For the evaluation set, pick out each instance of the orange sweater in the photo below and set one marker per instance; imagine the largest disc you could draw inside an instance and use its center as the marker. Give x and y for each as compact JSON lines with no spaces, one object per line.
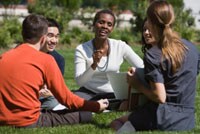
{"x":23,"y":71}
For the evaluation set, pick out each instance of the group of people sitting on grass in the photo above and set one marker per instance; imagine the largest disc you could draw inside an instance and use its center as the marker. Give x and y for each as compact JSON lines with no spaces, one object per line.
{"x":33,"y":92}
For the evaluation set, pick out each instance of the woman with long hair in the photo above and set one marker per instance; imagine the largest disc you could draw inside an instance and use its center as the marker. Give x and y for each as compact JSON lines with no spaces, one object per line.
{"x":171,"y":65}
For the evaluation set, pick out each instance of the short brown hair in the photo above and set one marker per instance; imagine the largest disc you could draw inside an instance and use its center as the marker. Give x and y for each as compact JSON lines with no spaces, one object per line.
{"x":33,"y":28}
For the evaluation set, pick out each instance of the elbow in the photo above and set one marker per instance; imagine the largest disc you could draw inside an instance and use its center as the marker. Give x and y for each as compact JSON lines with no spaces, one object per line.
{"x":161,"y":100}
{"x":79,"y":82}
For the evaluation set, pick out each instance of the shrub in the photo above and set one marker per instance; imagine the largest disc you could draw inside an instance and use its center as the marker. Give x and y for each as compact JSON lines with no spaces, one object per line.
{"x":125,"y":35}
{"x":10,"y":32}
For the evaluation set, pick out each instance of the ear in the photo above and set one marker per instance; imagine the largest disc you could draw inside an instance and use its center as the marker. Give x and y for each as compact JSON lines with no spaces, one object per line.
{"x":43,"y":40}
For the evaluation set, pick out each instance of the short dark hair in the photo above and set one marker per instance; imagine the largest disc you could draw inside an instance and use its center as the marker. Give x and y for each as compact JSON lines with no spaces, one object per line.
{"x":33,"y":28}
{"x":53,"y":23}
{"x":104,"y":11}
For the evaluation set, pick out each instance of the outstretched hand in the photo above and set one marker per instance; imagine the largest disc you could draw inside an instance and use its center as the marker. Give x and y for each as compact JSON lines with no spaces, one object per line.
{"x":104,"y":103}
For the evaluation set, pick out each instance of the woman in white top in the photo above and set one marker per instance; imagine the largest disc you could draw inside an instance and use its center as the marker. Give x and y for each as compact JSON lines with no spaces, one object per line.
{"x":96,"y":58}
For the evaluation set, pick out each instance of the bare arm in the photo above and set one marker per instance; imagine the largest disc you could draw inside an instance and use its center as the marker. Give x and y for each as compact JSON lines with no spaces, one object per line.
{"x":156,"y":93}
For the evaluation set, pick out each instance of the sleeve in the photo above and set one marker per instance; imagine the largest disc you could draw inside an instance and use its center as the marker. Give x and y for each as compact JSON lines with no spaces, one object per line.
{"x":152,"y":67}
{"x":132,"y":58}
{"x":198,"y":67}
{"x":56,"y":84}
{"x":83,"y":69}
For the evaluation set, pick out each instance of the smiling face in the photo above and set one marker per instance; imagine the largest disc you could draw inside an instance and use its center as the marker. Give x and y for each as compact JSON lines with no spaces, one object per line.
{"x":148,"y":33}
{"x":51,"y":39}
{"x":103,"y":26}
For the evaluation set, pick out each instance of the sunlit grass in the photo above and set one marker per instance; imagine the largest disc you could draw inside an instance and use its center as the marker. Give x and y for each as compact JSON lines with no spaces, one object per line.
{"x":100,"y":123}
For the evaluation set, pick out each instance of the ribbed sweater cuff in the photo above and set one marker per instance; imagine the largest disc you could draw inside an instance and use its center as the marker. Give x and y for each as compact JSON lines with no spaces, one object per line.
{"x":92,"y":106}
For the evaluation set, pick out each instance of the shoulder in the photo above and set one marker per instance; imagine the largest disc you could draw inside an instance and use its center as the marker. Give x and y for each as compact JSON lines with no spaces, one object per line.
{"x":154,"y":55}
{"x":114,"y":43}
{"x":117,"y":42}
{"x":189,"y":44}
{"x":56,"y":55}
{"x":85,"y":45}
{"x":84,"y":49}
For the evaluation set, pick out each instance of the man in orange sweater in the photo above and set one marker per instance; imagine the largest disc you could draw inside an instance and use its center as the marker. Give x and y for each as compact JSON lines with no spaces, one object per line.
{"x":24,"y":70}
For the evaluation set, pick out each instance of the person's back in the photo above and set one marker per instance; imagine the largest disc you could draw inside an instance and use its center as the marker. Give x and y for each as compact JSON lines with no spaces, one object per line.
{"x":20,"y":94}
{"x":184,"y":81}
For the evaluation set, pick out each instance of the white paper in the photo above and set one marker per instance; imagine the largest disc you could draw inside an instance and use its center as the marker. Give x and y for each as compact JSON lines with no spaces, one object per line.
{"x":119,"y":84}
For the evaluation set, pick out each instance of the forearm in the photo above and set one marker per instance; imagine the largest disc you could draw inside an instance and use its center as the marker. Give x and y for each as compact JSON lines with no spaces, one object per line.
{"x":133,"y":59}
{"x":155,"y":92}
{"x":82,"y":78}
{"x":92,"y":106}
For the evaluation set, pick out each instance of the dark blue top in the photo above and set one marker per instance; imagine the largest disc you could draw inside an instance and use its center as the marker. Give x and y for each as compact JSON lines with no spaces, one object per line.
{"x":180,"y":87}
{"x":50,"y":102}
{"x":178,"y":111}
{"x":59,"y":60}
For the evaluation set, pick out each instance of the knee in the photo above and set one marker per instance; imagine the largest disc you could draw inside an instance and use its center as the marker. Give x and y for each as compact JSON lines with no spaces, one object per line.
{"x":85,"y":117}
{"x":116,"y":124}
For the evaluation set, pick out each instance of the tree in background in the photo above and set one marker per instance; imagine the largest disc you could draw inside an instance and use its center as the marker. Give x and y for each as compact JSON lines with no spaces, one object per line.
{"x":65,"y":10}
{"x":10,"y":27}
{"x":53,"y":9}
{"x":184,"y":23}
{"x":9,"y":4}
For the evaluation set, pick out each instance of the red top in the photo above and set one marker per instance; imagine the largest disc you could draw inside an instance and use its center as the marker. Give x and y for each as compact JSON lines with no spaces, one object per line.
{"x":23,"y":71}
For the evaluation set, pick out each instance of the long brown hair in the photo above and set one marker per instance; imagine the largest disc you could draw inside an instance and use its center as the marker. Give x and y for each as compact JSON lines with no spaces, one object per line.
{"x":161,"y":15}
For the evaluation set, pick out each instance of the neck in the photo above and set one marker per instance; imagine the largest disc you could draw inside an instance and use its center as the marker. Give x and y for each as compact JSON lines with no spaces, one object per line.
{"x":101,"y":45}
{"x":35,"y":46}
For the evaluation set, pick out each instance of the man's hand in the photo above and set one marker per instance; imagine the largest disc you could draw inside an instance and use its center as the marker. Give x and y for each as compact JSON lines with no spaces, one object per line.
{"x":44,"y":92}
{"x":104,"y":103}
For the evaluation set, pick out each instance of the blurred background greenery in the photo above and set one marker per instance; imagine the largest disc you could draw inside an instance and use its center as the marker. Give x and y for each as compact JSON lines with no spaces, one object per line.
{"x":65,"y":10}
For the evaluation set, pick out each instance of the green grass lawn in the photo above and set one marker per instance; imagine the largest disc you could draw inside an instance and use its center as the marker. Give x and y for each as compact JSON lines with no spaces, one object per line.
{"x":100,"y":122}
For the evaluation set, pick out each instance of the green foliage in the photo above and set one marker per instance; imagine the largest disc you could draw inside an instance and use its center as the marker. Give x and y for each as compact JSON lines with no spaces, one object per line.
{"x":48,"y":8}
{"x":118,"y":4}
{"x":184,"y":22}
{"x":139,"y":10}
{"x":184,"y":25}
{"x":77,"y":36}
{"x":10,"y":32}
{"x":5,"y":38}
{"x":125,"y":35}
{"x":72,"y":5}
{"x":6,"y":3}
{"x":92,"y":3}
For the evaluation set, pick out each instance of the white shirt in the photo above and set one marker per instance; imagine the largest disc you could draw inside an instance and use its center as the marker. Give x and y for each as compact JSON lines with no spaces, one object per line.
{"x":96,"y":80}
